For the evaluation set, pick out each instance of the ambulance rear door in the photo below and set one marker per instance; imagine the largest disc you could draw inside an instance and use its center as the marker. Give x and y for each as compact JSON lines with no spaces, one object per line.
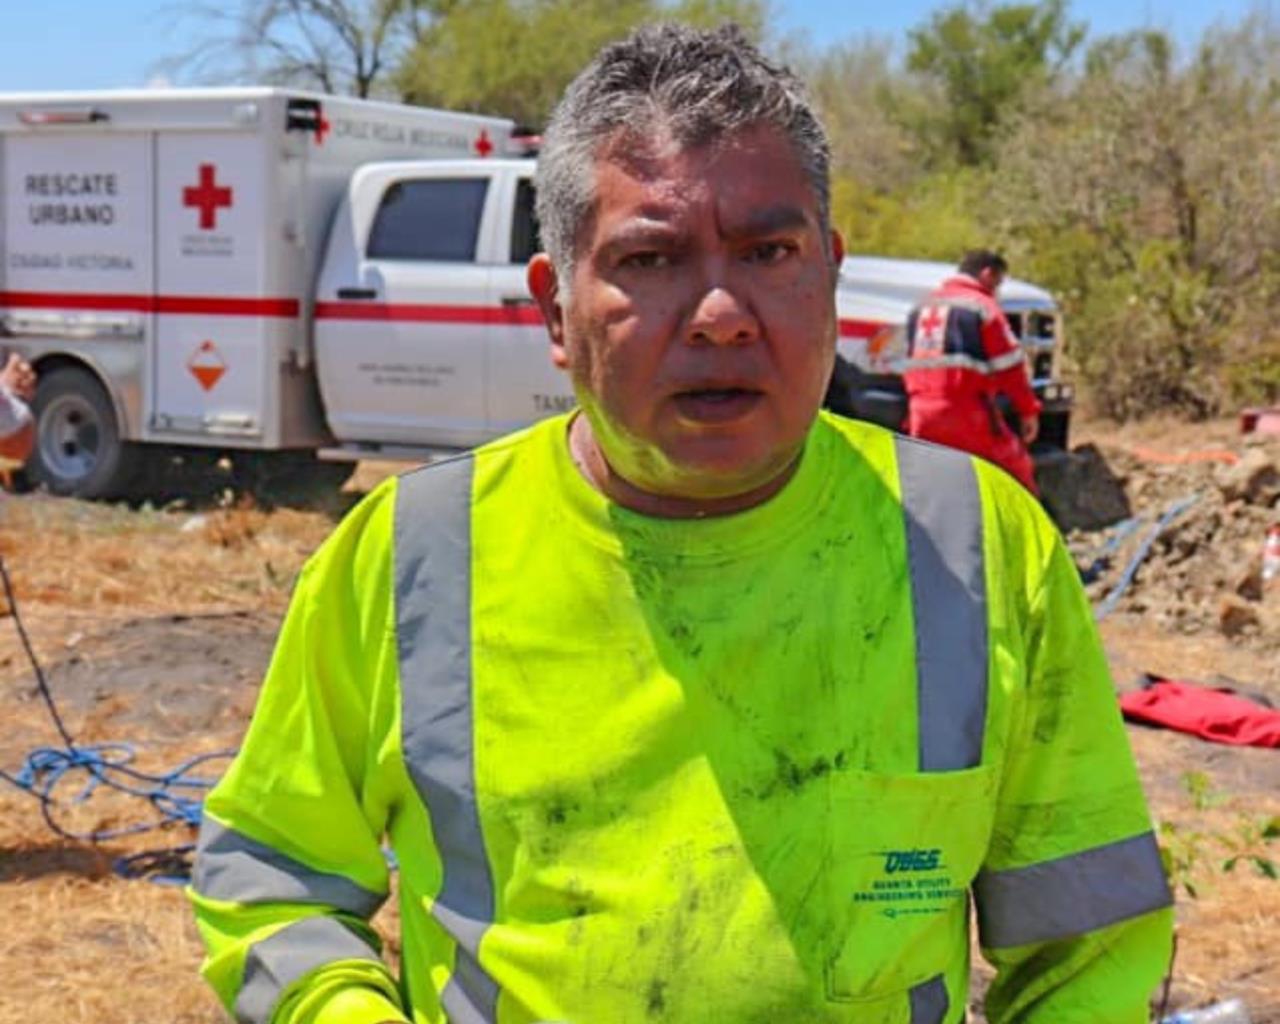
{"x":77,"y":240}
{"x":213,"y":350}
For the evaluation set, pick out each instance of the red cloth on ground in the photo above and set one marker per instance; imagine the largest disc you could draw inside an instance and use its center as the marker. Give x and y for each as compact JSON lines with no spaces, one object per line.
{"x":1210,"y":714}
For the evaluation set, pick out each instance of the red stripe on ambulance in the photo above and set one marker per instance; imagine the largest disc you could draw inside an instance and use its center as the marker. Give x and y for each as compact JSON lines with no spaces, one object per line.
{"x":203,"y":305}
{"x":860,"y":328}
{"x":415,"y":312}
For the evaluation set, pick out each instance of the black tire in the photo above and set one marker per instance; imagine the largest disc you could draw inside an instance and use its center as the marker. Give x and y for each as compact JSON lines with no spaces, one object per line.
{"x":78,"y":449}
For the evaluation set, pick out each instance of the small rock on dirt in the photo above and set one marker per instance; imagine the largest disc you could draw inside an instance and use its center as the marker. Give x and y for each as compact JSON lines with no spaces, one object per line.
{"x":1254,"y":479}
{"x":1236,"y":618}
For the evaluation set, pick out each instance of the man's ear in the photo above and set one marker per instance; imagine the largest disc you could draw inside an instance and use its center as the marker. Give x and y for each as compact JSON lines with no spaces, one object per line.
{"x":544,"y":286}
{"x":837,"y":249}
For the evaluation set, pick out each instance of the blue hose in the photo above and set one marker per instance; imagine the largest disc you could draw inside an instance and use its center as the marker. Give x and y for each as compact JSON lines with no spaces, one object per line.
{"x":1139,"y":556}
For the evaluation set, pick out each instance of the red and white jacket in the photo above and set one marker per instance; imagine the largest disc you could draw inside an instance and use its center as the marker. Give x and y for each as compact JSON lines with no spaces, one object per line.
{"x":960,"y":348}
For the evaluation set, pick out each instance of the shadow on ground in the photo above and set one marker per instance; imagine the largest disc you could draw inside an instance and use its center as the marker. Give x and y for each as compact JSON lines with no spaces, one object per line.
{"x":30,"y":862}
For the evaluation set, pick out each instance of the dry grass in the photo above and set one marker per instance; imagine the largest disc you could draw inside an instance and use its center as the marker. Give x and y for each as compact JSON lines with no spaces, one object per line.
{"x":95,"y":560}
{"x":83,"y":946}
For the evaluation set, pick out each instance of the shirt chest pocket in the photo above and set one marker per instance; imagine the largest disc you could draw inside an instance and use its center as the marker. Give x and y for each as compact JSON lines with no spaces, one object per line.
{"x":902,"y":851}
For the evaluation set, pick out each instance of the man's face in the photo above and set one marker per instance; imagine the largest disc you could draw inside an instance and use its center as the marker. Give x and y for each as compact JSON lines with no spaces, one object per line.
{"x":991,"y":279}
{"x":700,"y":322}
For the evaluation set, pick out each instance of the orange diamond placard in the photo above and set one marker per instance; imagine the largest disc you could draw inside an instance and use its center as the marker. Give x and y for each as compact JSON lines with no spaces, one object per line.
{"x":207,"y":365}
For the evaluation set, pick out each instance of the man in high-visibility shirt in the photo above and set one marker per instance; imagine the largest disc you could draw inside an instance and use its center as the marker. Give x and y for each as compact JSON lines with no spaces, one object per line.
{"x":962,"y":358}
{"x":694,"y":705}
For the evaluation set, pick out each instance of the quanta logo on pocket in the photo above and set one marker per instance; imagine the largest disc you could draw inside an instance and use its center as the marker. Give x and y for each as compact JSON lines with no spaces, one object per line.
{"x":898,"y":861}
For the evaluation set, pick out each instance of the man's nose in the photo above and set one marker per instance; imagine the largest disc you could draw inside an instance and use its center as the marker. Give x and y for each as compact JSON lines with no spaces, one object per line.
{"x":722,"y":317}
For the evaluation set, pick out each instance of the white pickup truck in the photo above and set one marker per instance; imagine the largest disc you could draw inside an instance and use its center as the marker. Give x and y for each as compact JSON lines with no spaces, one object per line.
{"x":272,"y":275}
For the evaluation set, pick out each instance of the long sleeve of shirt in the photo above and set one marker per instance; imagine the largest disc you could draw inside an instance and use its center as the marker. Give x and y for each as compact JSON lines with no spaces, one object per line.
{"x":14,"y":413}
{"x":1072,"y":901}
{"x":290,"y":867}
{"x":1008,"y":366}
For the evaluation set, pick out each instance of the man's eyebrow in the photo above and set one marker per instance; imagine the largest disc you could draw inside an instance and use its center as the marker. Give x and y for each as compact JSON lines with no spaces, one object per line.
{"x":641,"y":230}
{"x":770,"y":219}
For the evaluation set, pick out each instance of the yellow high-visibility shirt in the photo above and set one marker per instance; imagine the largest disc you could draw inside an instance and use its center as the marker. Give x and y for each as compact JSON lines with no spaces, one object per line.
{"x":732,"y":769}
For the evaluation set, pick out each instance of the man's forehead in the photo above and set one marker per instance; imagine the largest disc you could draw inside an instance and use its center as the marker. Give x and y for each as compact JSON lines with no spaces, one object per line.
{"x":651,"y":151}
{"x":658,"y":179}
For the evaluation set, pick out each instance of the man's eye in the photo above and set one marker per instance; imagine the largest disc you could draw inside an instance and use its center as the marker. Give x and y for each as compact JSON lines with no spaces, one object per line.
{"x":646,"y":260}
{"x":770,"y":252}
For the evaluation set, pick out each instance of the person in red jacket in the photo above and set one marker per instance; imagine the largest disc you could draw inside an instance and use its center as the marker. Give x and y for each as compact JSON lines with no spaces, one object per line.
{"x":961,"y":355}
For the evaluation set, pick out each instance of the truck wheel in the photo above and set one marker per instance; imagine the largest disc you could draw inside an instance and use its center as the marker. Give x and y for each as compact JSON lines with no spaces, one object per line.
{"x":78,"y":451}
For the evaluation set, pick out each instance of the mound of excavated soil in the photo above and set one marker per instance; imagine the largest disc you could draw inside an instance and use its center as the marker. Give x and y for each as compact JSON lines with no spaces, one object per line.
{"x":1202,"y":522}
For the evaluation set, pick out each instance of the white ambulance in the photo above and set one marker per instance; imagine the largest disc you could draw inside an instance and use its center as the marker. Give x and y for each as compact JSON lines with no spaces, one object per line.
{"x":164,"y":267}
{"x":275,"y":275}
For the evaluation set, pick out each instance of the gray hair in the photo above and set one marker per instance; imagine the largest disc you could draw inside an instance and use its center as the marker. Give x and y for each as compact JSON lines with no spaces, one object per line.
{"x":699,"y":86}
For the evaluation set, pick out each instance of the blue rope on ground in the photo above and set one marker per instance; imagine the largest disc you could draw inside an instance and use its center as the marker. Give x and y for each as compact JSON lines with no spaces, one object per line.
{"x":1139,"y":556}
{"x":175,"y":796}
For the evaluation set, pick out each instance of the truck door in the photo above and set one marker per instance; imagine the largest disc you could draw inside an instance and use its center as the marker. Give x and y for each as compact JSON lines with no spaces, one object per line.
{"x":401,"y":330}
{"x":524,"y":386}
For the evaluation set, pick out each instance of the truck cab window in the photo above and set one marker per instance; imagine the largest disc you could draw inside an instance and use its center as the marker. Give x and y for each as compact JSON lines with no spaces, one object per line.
{"x":525,"y":240}
{"x":429,"y":219}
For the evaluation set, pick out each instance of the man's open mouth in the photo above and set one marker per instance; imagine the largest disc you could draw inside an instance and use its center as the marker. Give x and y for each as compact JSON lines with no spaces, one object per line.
{"x":716,"y":405}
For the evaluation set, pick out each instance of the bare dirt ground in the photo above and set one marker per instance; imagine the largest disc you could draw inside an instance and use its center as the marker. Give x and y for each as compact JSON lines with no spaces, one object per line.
{"x":154,"y":627}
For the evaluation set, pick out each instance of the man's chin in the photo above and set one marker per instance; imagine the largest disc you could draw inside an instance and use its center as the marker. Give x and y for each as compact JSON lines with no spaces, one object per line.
{"x":682,"y":462}
{"x":715,"y":471}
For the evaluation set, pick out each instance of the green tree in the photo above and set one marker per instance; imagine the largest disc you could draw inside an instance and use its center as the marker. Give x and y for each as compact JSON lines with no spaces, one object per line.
{"x":978,"y":64}
{"x":852,"y":84}
{"x":514,"y":57}
{"x":1145,"y":195}
{"x":936,"y":217}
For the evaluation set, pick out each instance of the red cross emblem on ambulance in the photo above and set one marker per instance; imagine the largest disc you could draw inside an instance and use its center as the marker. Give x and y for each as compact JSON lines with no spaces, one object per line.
{"x":207,"y":196}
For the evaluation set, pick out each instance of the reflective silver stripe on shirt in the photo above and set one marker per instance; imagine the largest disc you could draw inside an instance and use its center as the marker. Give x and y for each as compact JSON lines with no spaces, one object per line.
{"x":960,"y":361}
{"x":1016,"y":357}
{"x":929,"y":1001}
{"x":433,"y":628}
{"x":1071,"y":895}
{"x":231,"y":866}
{"x":283,"y":958}
{"x":943,"y":515}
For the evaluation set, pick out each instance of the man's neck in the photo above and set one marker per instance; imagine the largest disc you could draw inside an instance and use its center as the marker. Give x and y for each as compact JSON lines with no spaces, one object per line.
{"x":971,"y":281}
{"x":590,"y":461}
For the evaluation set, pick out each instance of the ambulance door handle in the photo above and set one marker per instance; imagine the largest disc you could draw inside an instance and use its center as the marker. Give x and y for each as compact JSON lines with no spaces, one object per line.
{"x":516,"y":301}
{"x":357,"y":293}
